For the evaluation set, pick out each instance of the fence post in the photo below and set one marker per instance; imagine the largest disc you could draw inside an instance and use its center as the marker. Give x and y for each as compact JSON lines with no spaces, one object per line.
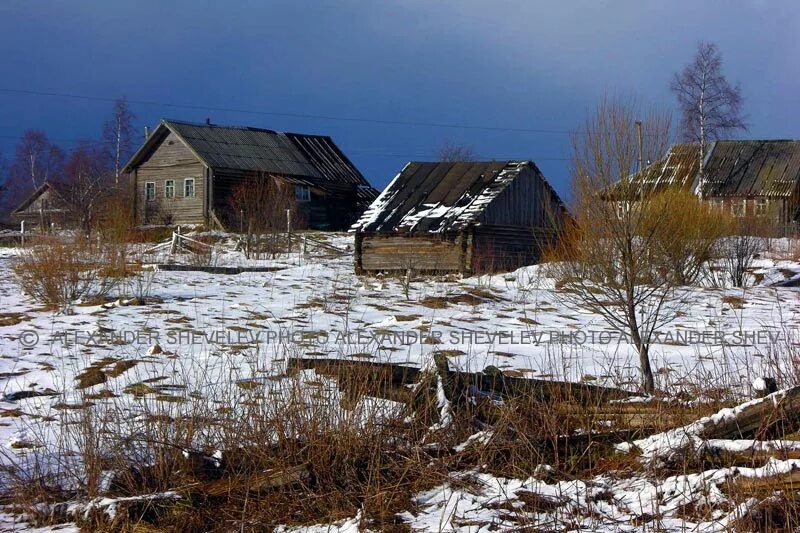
{"x":289,"y":230}
{"x":22,"y":232}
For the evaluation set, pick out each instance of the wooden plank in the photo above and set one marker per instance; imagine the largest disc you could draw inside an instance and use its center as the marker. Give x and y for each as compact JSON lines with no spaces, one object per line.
{"x":381,"y":376}
{"x":260,"y":481}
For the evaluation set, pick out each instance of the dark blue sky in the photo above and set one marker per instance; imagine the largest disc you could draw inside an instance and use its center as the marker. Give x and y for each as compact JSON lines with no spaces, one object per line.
{"x":498,"y":64}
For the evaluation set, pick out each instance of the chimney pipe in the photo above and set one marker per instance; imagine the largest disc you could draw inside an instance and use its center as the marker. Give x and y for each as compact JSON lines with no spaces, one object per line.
{"x":146,"y":133}
{"x":208,"y":121}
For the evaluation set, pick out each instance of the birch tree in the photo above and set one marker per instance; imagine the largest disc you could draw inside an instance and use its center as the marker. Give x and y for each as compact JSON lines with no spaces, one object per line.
{"x":119,"y":136}
{"x":710,"y":106}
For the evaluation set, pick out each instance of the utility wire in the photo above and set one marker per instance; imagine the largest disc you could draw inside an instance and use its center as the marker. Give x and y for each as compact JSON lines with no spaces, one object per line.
{"x":286,"y":114}
{"x":361,"y":151}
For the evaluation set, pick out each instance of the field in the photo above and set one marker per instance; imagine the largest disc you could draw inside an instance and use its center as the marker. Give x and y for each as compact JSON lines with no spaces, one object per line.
{"x":110,"y":405}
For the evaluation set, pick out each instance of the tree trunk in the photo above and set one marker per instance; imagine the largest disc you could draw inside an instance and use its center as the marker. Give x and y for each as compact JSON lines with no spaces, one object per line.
{"x":648,"y":382}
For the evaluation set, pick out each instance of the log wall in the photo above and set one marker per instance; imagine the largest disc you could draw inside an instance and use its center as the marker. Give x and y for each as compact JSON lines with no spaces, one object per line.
{"x":418,"y":252}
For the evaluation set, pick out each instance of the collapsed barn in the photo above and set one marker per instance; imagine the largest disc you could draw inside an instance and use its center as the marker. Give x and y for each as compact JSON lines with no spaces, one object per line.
{"x":465,"y":217}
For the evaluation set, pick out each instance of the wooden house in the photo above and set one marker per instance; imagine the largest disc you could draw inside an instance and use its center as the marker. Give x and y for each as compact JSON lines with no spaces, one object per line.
{"x":46,"y":208}
{"x":465,"y":217}
{"x":758,"y":178}
{"x":185,"y":173}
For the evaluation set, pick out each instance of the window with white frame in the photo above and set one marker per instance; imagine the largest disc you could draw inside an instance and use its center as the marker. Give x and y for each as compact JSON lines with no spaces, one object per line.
{"x":739,"y":208}
{"x":188,"y":187}
{"x":762,"y":205}
{"x":150,"y":191}
{"x":169,"y":189}
{"x":302,"y":193}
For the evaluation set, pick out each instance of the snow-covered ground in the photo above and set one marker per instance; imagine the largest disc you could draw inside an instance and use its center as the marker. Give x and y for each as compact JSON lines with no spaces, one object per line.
{"x":211,"y":328}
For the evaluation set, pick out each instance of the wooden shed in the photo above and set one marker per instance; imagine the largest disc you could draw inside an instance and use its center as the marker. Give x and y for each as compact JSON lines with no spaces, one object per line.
{"x":185,"y":173}
{"x":47,"y":207}
{"x":465,"y":217}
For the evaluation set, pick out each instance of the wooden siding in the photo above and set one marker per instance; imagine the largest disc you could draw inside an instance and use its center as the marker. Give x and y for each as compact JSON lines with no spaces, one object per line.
{"x":506,"y":248}
{"x":528,"y":202}
{"x":393,"y":252}
{"x":171,"y":160}
{"x":48,"y":208}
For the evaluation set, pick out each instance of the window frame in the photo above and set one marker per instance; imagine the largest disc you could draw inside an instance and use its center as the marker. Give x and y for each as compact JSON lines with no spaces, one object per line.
{"x":306,"y":193}
{"x":169,"y":187}
{"x":186,"y":182}
{"x":739,"y":208}
{"x":761,"y":206}
{"x":147,"y":196}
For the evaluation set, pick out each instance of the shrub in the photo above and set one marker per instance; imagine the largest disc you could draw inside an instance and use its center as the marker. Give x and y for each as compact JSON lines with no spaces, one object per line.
{"x":685,"y":230}
{"x":58,"y":273}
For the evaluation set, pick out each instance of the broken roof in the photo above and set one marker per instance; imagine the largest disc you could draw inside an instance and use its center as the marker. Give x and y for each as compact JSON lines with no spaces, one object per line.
{"x":436,"y":197}
{"x":732,"y":168}
{"x":257,"y":150}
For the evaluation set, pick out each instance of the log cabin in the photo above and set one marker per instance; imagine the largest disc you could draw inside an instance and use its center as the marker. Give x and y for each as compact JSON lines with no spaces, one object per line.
{"x":185,"y":173}
{"x":46,"y":208}
{"x":748,"y":178}
{"x":463,"y":217}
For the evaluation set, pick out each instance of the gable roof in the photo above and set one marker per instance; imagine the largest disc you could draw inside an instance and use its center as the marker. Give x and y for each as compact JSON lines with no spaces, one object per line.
{"x":257,"y":150}
{"x":58,"y":187}
{"x":439,"y":196}
{"x":732,"y":168}
{"x":752,"y":168}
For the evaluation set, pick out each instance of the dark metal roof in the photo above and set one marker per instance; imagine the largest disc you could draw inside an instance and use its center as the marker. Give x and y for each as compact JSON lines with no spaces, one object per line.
{"x":732,"y":168}
{"x":436,"y":197}
{"x":259,"y":150}
{"x":753,"y":168}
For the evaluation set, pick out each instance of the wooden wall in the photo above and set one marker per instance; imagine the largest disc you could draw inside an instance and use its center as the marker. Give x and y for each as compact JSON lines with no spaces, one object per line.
{"x":418,"y":252}
{"x":171,"y":160}
{"x":528,"y":202}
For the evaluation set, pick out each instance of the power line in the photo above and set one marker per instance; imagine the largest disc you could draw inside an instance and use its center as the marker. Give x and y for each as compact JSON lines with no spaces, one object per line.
{"x":361,"y":151}
{"x":286,"y":114}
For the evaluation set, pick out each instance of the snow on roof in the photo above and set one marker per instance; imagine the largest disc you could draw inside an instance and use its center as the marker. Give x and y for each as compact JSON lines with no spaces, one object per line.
{"x":439,"y":196}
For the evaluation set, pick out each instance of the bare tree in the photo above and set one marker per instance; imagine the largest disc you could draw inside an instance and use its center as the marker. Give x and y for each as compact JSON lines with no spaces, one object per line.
{"x":119,"y":136}
{"x":740,"y":249}
{"x":451,"y":152}
{"x":710,"y":106}
{"x":258,"y":207}
{"x":606,"y":258}
{"x":85,"y":187}
{"x":36,"y":160}
{"x":3,"y":185}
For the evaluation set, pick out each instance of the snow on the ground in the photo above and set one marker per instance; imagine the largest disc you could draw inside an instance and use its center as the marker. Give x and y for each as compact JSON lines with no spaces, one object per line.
{"x":212,"y":328}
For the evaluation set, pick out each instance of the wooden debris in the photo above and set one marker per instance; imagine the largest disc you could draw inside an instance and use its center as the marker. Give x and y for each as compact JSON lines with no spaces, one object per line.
{"x":270,"y":479}
{"x":747,"y":485}
{"x":384,"y":379}
{"x":778,"y":411}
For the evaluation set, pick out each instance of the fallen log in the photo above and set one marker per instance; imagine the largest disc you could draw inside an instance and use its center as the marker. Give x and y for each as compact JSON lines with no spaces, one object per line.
{"x":786,"y":478}
{"x":388,"y":380}
{"x":776,"y":413}
{"x":259,"y":481}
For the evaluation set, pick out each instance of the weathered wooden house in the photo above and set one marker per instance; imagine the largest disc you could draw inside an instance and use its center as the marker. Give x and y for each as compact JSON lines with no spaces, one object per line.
{"x":46,"y":208}
{"x":465,"y":217}
{"x":185,"y":173}
{"x":749,"y":177}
